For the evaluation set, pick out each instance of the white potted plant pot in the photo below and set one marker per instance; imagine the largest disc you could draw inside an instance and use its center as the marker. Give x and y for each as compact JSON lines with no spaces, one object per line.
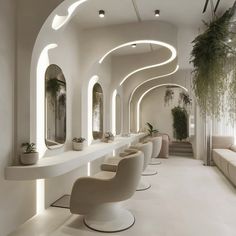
{"x":29,"y":158}
{"x":78,"y":146}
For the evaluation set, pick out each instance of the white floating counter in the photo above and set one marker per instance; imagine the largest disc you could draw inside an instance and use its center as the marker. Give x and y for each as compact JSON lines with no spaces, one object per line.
{"x":65,"y":162}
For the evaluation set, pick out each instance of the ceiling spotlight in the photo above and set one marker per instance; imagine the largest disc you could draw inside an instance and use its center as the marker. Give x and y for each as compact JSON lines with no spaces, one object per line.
{"x":101,"y":13}
{"x":134,"y":45}
{"x":157,"y":13}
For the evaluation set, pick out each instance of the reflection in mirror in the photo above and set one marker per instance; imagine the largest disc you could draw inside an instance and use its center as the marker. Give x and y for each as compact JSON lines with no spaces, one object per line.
{"x":97,"y":111}
{"x":55,"y":107}
{"x":118,"y":114}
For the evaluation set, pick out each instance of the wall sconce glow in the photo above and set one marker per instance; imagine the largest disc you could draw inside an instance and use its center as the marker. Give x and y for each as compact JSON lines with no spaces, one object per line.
{"x":166,"y":45}
{"x":40,"y":195}
{"x":89,"y":169}
{"x":144,"y":94}
{"x":113,"y":107}
{"x":138,"y":86}
{"x":59,"y":21}
{"x":91,"y":84}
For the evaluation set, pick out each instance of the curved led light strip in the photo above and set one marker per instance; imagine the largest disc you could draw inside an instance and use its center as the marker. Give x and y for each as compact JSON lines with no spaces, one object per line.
{"x":173,"y":56}
{"x":59,"y":21}
{"x":154,"y":78}
{"x":113,"y":125}
{"x":43,"y":63}
{"x":145,"y":93}
{"x":163,"y":44}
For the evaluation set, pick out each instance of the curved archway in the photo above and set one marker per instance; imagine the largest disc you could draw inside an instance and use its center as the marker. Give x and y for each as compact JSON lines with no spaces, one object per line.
{"x":138,"y":86}
{"x":145,"y":93}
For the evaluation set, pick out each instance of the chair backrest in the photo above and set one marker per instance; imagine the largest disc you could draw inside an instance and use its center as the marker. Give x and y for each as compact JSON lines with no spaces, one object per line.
{"x":222,"y":142}
{"x":128,"y":175}
{"x":156,"y":148}
{"x":146,"y":148}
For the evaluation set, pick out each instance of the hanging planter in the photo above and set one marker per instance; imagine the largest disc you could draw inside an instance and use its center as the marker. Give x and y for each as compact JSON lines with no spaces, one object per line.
{"x":214,"y":67}
{"x":185,"y":99}
{"x":169,"y":95}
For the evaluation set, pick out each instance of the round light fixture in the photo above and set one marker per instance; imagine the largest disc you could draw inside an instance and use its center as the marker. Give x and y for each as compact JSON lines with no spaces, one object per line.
{"x":157,"y":13}
{"x":101,"y":13}
{"x":134,"y":45}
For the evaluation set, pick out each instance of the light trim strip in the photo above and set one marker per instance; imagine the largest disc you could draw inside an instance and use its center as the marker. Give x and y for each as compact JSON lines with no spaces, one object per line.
{"x":59,"y":21}
{"x":145,"y":93}
{"x":138,"y":86}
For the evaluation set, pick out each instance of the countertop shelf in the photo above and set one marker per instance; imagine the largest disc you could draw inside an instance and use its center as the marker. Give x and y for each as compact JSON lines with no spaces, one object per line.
{"x":65,"y":162}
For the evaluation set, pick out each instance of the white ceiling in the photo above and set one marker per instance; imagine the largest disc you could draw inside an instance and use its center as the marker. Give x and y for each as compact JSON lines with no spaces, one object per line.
{"x":140,"y":48}
{"x":178,"y":12}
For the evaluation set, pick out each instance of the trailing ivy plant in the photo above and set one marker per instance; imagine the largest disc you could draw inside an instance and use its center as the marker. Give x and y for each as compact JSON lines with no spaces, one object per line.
{"x":185,"y":99}
{"x":180,"y":123}
{"x":169,"y":95}
{"x":214,"y":68}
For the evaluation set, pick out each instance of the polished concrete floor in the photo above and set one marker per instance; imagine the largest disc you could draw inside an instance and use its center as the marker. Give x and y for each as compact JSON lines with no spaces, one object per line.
{"x":186,"y":199}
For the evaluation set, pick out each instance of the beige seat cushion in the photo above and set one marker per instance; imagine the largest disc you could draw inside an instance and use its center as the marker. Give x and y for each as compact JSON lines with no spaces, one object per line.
{"x":222,"y":157}
{"x":232,"y":172}
{"x":233,"y":148}
{"x":104,"y":175}
{"x":111,"y":164}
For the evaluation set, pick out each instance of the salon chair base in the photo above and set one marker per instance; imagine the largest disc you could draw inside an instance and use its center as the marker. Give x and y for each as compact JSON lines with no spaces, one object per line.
{"x":110,"y":218}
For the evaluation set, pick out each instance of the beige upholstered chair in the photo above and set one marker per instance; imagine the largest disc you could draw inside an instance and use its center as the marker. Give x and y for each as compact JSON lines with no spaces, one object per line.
{"x":146,"y":148}
{"x":157,"y":142}
{"x":97,"y":197}
{"x":164,"y":153}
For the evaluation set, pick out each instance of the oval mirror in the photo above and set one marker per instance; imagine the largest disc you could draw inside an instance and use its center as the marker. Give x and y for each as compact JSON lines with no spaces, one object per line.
{"x":97,"y":111}
{"x":55,"y":107}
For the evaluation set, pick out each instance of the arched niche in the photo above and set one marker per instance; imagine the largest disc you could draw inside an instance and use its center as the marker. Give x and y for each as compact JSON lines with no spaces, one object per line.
{"x":97,"y":119}
{"x":118,"y":114}
{"x":55,"y":107}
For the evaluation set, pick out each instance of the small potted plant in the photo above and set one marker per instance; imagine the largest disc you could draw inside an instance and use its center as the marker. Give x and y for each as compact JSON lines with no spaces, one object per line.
{"x":151,"y":130}
{"x":78,"y":143}
{"x":29,"y":156}
{"x":108,"y":137}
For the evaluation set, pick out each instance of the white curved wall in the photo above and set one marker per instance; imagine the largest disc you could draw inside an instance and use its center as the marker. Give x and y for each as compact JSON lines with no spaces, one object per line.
{"x":154,"y":111}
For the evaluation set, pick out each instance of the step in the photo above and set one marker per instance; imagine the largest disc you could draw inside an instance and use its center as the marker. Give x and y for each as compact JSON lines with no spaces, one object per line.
{"x":180,"y":149}
{"x":183,"y":154}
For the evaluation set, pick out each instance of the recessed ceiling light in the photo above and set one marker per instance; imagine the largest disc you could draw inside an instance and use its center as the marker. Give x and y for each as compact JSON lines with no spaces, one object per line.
{"x":157,"y":13}
{"x":101,"y":13}
{"x":134,"y":45}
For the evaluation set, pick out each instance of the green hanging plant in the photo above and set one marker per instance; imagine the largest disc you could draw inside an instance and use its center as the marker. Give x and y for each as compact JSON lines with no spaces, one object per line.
{"x":180,"y":123}
{"x":185,"y":99}
{"x":169,"y":95}
{"x":212,"y":60}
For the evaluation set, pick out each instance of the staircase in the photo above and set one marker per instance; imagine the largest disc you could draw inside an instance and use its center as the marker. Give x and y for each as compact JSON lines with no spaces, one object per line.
{"x":183,"y":149}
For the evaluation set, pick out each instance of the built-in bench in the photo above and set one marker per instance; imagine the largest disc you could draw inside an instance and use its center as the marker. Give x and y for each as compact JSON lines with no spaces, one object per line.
{"x":224,"y":156}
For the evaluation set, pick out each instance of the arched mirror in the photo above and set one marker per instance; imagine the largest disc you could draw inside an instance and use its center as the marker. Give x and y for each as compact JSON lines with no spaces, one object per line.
{"x":97,"y":111}
{"x":55,"y":107}
{"x":118,"y":114}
